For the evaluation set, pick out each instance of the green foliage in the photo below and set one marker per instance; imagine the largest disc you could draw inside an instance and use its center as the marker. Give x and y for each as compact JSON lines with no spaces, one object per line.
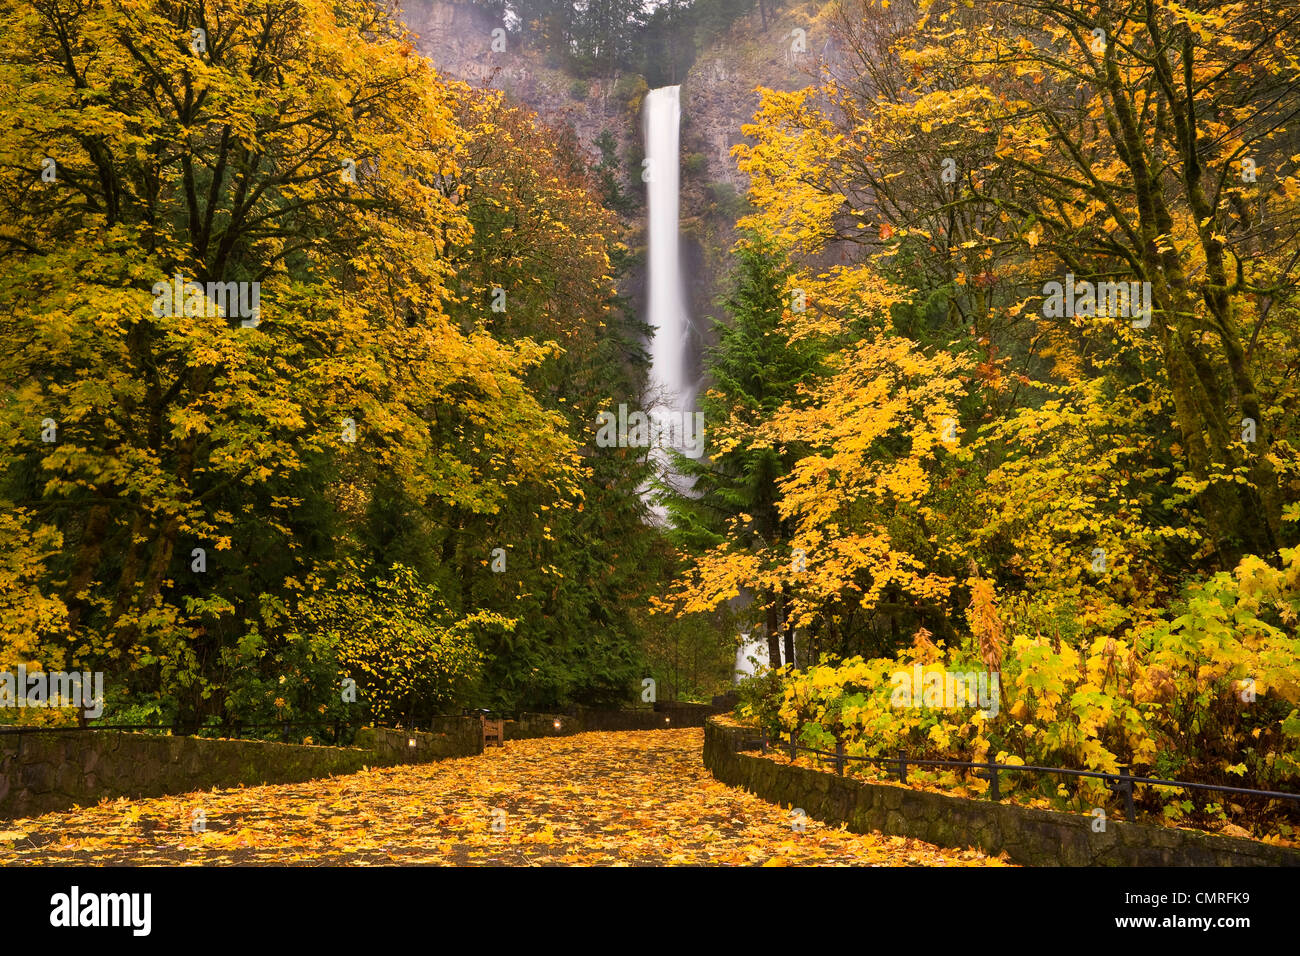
{"x":575,"y":556}
{"x":760,"y":700}
{"x":609,"y":173}
{"x":754,"y":369}
{"x":410,"y":656}
{"x":690,"y":658}
{"x":629,"y":90}
{"x":1208,"y":693}
{"x":727,"y":202}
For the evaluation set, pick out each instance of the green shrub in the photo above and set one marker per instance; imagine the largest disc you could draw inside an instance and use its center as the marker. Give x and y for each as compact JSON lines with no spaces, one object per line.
{"x":727,"y":201}
{"x":410,"y":656}
{"x":630,"y":89}
{"x":761,"y":697}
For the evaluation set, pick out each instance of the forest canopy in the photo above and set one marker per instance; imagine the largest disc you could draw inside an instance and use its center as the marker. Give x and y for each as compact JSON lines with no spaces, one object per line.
{"x":376,"y":467}
{"x":1040,"y":259}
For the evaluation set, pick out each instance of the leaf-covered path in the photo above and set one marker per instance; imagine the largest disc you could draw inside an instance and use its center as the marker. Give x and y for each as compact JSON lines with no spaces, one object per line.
{"x":601,"y":798}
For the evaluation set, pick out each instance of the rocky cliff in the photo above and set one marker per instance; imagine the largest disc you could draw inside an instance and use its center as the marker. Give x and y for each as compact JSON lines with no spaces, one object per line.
{"x":461,"y":42}
{"x":719,"y":96}
{"x":784,"y":51}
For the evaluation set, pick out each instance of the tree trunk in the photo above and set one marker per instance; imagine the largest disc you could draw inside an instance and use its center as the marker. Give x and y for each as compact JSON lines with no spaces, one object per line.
{"x":88,"y":555}
{"x":773,"y":635}
{"x":1240,"y":519}
{"x":788,"y":630}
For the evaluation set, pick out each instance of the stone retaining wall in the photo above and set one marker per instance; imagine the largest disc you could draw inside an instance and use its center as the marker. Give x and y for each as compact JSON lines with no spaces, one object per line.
{"x":665,"y":716}
{"x":53,"y":770}
{"x":1029,"y":836}
{"x":48,"y":771}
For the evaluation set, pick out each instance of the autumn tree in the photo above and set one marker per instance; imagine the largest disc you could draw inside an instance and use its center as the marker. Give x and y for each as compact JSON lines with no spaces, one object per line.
{"x":1003,"y":145}
{"x":753,"y":371}
{"x":539,"y":273}
{"x":857,"y":454}
{"x":196,"y":464}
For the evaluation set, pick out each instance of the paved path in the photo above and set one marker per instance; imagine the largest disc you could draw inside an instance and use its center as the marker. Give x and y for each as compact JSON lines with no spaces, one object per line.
{"x":629,"y":798}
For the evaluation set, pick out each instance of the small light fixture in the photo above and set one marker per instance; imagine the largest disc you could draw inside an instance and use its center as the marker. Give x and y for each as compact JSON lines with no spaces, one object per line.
{"x":410,"y":741}
{"x":557,"y":725}
{"x":668,"y":720}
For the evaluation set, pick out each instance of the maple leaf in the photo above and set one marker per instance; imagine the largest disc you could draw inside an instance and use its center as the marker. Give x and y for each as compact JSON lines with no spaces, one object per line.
{"x":561,"y":798}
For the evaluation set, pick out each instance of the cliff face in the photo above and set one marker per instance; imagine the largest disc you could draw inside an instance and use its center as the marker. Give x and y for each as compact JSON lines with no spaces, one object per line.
{"x":718,"y":94}
{"x":784,"y":51}
{"x":456,"y":36}
{"x":459,"y":39}
{"x":719,"y":97}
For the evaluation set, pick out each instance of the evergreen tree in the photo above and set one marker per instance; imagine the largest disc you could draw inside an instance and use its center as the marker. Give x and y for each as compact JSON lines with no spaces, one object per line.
{"x":754,"y":370}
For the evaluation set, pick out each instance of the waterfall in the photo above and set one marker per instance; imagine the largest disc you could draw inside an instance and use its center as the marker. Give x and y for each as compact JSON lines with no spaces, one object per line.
{"x":672,"y":386}
{"x":673,"y":382}
{"x":750,"y":650}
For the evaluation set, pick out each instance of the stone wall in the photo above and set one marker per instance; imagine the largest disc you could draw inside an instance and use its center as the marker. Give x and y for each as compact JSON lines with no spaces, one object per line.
{"x":53,"y":770}
{"x":446,"y":737}
{"x":1029,"y":836}
{"x":665,"y":716}
{"x":43,"y":772}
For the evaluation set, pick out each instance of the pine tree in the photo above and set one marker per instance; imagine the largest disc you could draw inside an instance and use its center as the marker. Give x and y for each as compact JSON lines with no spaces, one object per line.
{"x":754,"y":370}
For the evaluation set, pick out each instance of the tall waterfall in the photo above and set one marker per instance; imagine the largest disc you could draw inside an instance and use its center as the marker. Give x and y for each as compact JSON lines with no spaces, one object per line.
{"x":673,"y":385}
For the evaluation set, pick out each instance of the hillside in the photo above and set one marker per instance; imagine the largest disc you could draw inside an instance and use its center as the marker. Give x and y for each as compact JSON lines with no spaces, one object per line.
{"x":718,"y":97}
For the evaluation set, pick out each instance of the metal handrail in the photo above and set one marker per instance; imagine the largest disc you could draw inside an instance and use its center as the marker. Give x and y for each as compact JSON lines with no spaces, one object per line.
{"x":1121,"y":783}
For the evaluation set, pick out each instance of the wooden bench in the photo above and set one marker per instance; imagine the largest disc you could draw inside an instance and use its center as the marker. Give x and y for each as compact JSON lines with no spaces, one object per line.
{"x":493,"y":732}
